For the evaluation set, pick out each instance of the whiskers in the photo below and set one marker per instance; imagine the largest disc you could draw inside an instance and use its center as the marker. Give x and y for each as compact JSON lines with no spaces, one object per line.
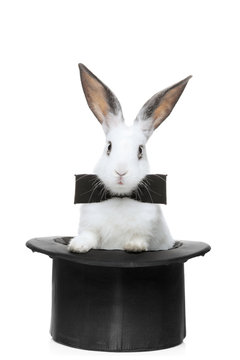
{"x":145,"y":183}
{"x":138,"y":192}
{"x":103,"y":194}
{"x":161,"y":177}
{"x":80,"y":177}
{"x":151,"y":189}
{"x":96,"y":184}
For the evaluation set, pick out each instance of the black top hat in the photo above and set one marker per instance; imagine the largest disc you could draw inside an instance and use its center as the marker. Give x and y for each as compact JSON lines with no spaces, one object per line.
{"x":114,"y":300}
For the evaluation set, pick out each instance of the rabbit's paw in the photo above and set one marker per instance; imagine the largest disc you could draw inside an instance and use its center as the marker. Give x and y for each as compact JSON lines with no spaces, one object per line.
{"x":136,"y":244}
{"x":83,"y":242}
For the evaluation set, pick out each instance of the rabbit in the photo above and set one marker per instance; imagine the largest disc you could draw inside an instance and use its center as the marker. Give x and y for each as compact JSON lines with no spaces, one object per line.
{"x":120,"y":222}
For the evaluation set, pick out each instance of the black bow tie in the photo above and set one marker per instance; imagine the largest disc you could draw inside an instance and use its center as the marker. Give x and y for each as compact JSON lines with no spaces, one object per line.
{"x":90,"y":189}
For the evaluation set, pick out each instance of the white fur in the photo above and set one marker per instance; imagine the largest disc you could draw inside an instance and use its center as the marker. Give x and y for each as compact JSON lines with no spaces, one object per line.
{"x":125,"y":142}
{"x":122,"y":223}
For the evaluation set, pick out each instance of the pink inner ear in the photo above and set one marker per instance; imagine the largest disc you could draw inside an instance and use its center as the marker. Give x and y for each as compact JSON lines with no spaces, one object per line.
{"x":160,"y":114}
{"x":95,"y":95}
{"x":166,"y":104}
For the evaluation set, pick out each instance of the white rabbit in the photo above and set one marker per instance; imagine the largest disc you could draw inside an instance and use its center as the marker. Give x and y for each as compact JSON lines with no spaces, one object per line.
{"x":123,"y":223}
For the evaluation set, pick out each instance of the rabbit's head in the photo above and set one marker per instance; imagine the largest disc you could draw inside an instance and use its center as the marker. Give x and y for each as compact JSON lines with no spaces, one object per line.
{"x":124,"y":164}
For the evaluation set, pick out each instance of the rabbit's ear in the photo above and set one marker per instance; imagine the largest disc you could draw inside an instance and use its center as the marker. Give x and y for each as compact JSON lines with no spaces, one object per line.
{"x":100,"y":99}
{"x":157,"y":109}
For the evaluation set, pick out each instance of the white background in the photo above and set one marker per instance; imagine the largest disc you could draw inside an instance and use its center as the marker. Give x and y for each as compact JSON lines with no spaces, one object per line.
{"x":48,"y":134}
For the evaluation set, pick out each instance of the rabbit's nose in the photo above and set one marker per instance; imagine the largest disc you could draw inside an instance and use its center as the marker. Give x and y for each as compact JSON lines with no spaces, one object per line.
{"x":121,"y":173}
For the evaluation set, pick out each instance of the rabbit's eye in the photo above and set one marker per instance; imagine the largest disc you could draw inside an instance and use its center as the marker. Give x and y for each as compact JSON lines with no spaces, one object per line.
{"x":109,"y":148}
{"x":140,"y":152}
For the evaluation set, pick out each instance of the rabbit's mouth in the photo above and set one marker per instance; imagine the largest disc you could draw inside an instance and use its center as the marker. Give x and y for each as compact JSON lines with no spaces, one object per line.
{"x":123,"y":184}
{"x":122,"y":187}
{"x":120,"y":181}
{"x":121,"y":177}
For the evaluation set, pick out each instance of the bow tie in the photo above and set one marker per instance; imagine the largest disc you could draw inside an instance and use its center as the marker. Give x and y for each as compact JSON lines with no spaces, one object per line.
{"x":90,"y":189}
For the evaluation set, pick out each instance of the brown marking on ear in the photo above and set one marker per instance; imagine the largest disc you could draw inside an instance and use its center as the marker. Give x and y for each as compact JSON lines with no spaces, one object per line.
{"x":167,"y":100}
{"x":95,"y":95}
{"x":99,"y":97}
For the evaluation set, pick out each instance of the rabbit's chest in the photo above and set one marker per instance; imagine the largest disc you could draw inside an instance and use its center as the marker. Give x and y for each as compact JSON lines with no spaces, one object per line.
{"x":116,"y":221}
{"x":119,"y":216}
